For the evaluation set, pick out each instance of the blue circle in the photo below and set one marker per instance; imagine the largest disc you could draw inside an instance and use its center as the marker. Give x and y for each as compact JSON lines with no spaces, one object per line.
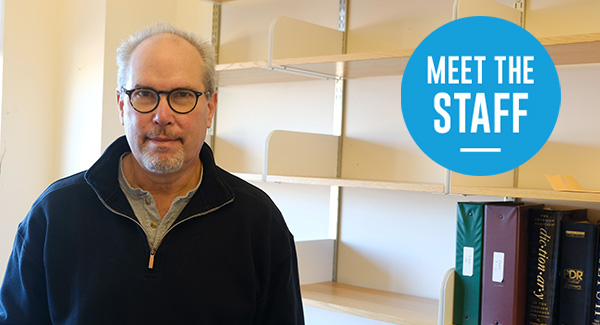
{"x":480,"y":96}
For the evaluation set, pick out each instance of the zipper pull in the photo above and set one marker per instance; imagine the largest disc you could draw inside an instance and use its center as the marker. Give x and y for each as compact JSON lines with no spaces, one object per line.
{"x":151,"y":261}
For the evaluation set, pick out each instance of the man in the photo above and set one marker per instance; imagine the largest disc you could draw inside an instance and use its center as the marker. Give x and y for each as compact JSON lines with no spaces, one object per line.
{"x":154,"y":232}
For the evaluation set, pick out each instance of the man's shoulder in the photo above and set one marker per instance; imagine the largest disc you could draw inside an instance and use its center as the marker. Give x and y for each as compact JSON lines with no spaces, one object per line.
{"x":239,"y":185}
{"x":73,"y":183}
{"x":246,"y":192}
{"x":256,"y":203}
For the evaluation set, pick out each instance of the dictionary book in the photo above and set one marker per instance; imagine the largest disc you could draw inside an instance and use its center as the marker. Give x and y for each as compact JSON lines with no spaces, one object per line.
{"x":504,"y":278}
{"x":543,"y":263}
{"x":578,"y":251}
{"x":469,"y":249}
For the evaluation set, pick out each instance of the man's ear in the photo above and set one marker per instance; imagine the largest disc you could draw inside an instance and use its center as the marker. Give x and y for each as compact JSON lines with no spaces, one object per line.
{"x":212,"y":106}
{"x":120,"y":98}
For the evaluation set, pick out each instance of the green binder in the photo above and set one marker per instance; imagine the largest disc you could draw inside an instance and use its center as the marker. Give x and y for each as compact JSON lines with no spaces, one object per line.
{"x":469,"y":250}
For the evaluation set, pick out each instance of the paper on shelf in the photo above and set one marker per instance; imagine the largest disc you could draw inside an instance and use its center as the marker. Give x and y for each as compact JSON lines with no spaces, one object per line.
{"x":566,"y":183}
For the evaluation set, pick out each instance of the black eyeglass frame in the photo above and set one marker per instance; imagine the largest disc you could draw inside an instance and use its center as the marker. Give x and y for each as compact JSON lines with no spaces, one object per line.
{"x":168,"y":93}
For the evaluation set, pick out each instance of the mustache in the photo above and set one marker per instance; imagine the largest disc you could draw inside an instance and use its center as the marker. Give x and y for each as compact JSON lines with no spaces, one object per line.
{"x":164,"y":133}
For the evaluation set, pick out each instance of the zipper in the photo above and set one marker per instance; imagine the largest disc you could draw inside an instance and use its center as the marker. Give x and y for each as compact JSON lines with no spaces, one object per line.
{"x":154,"y":249}
{"x":151,"y":261}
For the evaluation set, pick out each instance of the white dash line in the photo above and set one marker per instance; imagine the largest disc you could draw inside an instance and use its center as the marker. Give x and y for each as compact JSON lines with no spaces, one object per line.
{"x":480,"y":150}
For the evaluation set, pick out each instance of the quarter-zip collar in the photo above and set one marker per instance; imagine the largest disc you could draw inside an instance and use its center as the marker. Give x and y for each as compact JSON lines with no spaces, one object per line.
{"x":103,"y":178}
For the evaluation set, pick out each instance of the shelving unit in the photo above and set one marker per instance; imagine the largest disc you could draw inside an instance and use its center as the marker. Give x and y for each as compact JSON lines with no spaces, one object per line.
{"x":376,"y":304}
{"x":574,"y":49}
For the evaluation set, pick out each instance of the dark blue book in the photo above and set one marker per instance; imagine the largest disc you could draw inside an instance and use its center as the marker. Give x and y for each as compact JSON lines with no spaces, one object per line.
{"x":595,"y":313}
{"x":578,"y":251}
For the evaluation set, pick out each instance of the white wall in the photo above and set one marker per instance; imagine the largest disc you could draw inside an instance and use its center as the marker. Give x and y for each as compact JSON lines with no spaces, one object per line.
{"x":318,"y":316}
{"x":30,"y":122}
{"x":79,"y":107}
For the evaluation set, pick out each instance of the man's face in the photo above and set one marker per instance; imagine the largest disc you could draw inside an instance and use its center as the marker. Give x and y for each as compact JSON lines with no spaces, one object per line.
{"x":164,"y":141}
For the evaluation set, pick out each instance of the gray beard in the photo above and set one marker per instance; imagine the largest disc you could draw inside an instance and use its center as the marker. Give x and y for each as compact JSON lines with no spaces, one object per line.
{"x":162,"y":165}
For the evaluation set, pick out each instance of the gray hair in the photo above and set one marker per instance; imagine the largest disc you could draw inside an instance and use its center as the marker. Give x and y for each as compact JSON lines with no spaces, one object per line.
{"x":206,"y":50}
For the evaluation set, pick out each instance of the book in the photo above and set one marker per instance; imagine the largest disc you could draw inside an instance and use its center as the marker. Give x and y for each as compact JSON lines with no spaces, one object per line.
{"x":504,"y":279}
{"x":543,"y":258}
{"x":578,"y":251}
{"x":469,"y":248}
{"x":596,"y":285}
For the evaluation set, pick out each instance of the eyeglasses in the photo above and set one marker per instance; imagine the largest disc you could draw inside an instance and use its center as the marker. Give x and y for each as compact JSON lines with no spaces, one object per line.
{"x":181,"y":100}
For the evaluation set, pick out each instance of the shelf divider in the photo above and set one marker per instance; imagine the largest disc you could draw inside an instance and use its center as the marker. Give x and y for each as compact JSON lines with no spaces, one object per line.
{"x":291,"y":153}
{"x":291,"y":38}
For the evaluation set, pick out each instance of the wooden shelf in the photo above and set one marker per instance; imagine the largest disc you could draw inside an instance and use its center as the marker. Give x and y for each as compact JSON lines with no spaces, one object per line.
{"x":396,"y":186}
{"x":349,"y":66}
{"x":431,"y":188}
{"x":526,"y":193}
{"x":374,"y":304}
{"x":574,"y":49}
{"x":355,"y":65}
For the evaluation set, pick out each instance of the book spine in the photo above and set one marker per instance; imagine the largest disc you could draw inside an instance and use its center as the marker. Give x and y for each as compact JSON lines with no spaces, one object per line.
{"x":577,"y":263}
{"x":543,"y":263}
{"x":542,"y":267}
{"x":596,"y":285}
